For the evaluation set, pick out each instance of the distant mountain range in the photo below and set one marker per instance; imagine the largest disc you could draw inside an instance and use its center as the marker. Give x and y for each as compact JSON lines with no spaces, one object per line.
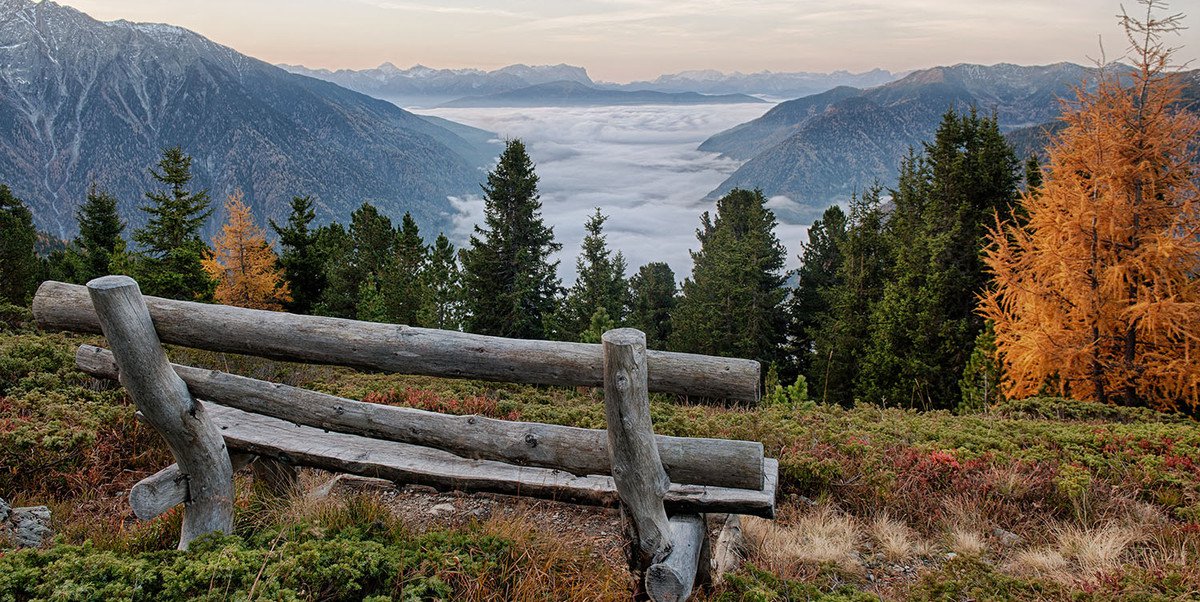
{"x":425,"y":87}
{"x":575,"y":94}
{"x":83,"y":101}
{"x":819,"y":149}
{"x":763,"y":83}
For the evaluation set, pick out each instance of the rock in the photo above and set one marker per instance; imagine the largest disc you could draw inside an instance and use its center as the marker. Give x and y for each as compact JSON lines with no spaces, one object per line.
{"x":30,"y":526}
{"x":5,"y":510}
{"x":951,"y":556}
{"x":440,"y":509}
{"x":1007,"y":538}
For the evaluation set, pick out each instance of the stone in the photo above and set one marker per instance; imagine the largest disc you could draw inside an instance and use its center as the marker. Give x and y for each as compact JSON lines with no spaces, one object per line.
{"x":440,"y":509}
{"x":1007,"y":538}
{"x":5,"y":510}
{"x":31,"y":526}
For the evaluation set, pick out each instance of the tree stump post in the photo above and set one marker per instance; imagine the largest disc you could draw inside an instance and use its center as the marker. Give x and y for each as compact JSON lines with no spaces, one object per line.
{"x":637,"y":468}
{"x":163,"y":398}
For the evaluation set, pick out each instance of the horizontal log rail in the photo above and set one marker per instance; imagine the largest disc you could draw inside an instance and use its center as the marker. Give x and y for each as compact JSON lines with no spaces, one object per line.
{"x":687,"y":460}
{"x":400,"y":349}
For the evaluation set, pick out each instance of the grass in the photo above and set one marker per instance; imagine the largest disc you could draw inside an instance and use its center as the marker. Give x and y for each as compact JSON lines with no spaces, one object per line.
{"x":1104,"y":501}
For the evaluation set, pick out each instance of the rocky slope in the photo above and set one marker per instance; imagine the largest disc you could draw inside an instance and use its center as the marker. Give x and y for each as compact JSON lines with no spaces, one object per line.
{"x":83,"y":101}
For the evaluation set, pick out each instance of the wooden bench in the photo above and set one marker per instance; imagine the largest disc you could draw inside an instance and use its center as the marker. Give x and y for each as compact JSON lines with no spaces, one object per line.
{"x":664,"y":485}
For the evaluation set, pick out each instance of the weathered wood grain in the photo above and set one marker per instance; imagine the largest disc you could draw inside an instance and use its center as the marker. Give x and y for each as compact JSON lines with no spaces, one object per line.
{"x":403,"y":463}
{"x":728,"y":554}
{"x":636,"y":466}
{"x":165,"y":489}
{"x":672,"y":579}
{"x":164,"y":400}
{"x":692,"y":461}
{"x":397,"y":348}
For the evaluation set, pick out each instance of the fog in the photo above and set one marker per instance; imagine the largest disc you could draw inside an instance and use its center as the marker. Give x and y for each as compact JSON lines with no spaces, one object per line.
{"x":639,"y":165}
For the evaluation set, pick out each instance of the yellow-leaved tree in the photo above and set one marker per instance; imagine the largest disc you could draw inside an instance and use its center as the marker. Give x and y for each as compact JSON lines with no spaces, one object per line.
{"x":242,"y":262}
{"x":1097,"y":286}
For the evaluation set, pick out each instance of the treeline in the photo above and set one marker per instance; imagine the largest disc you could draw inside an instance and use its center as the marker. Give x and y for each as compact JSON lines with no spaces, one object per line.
{"x":976,"y":276}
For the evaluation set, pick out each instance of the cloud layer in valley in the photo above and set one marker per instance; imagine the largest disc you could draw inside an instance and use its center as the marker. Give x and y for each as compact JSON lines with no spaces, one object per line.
{"x":639,"y":165}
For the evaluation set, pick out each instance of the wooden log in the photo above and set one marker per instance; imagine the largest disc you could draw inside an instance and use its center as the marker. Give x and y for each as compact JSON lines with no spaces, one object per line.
{"x":636,"y":466}
{"x":164,"y":400}
{"x":403,"y":463}
{"x":728,"y":554}
{"x":672,"y":579}
{"x":167,"y":488}
{"x":692,"y":461}
{"x":401,"y":349}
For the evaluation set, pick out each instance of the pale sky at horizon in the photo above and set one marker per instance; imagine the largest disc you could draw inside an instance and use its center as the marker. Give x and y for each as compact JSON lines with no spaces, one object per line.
{"x":624,"y":40}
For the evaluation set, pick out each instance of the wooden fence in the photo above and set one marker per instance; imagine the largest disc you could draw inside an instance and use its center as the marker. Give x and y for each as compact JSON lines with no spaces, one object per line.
{"x":664,"y":485}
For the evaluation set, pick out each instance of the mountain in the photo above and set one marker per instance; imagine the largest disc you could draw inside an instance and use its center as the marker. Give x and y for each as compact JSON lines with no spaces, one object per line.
{"x":763,"y":83}
{"x":424,"y":86}
{"x":83,"y":101}
{"x":575,"y":94}
{"x":819,"y":149}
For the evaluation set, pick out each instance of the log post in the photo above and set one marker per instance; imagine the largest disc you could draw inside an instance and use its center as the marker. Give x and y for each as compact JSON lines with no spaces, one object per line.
{"x":168,"y":406}
{"x":672,"y":579}
{"x":637,"y":468}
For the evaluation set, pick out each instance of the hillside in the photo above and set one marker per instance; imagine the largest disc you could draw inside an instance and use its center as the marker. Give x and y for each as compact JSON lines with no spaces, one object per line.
{"x":82,"y":102}
{"x":821,"y":148}
{"x":575,"y":94}
{"x":765,"y":83}
{"x":1035,"y":500}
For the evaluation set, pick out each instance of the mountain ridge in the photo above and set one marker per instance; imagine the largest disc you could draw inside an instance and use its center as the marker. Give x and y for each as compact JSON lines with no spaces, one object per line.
{"x":575,"y":94}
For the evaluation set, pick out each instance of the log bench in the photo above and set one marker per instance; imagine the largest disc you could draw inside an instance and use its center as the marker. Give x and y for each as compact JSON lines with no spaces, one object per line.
{"x":215,"y":422}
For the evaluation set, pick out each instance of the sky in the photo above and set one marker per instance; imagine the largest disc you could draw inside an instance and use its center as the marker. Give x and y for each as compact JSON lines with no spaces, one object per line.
{"x":626,"y":40}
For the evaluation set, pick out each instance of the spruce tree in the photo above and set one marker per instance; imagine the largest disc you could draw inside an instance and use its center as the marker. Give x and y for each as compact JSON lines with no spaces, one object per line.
{"x":99,"y":240}
{"x":945,"y":202}
{"x":808,"y":305}
{"x":19,"y":264}
{"x":443,"y":287}
{"x":171,"y":247}
{"x":841,"y":339}
{"x":731,"y":304}
{"x":358,"y":261}
{"x":336,"y":249}
{"x":511,"y":287}
{"x":403,"y":283}
{"x":599,"y":284}
{"x":301,"y":258}
{"x":653,"y":295}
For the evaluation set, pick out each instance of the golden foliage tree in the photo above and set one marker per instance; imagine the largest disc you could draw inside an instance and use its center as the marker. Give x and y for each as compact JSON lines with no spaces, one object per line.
{"x":242,"y":262}
{"x":1097,"y":295}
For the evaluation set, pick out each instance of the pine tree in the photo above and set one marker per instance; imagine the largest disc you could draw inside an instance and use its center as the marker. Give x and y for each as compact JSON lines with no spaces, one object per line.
{"x":599,"y":324}
{"x":301,"y":258}
{"x":336,"y":249}
{"x":808,"y":305}
{"x":1096,"y":292}
{"x":242,"y":263}
{"x":731,"y":304}
{"x":653,"y":293}
{"x":841,"y":340}
{"x":926,"y":323}
{"x":599,"y":284}
{"x":403,"y":284}
{"x":18,"y":262}
{"x":511,"y":287}
{"x":357,"y":260}
{"x":443,"y":286}
{"x":99,"y":240}
{"x":172,"y":250}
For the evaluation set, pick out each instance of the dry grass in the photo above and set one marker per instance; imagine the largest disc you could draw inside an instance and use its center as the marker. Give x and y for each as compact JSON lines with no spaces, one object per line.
{"x":1097,"y":549}
{"x":966,"y":541}
{"x":822,"y":536}
{"x":895,"y":539}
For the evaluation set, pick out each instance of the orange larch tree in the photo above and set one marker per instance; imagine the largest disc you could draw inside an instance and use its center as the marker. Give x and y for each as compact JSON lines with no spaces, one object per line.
{"x":1097,"y":287}
{"x":242,"y":262}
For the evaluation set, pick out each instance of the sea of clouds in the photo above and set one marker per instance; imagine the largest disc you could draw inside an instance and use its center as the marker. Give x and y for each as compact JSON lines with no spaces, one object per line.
{"x":638,"y":164}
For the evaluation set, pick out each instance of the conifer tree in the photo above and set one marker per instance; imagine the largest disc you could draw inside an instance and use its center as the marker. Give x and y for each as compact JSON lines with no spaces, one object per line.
{"x":926,"y":325}
{"x":841,"y":340}
{"x":99,"y":241}
{"x":599,"y":324}
{"x":404,"y":283}
{"x":171,"y":248}
{"x":335,"y":248}
{"x":600,"y":282}
{"x":356,"y":261}
{"x":443,"y":286}
{"x":242,"y":263}
{"x":511,"y":287}
{"x":731,"y":304}
{"x":301,"y":258}
{"x":653,"y":293}
{"x":808,"y":305}
{"x":18,"y":261}
{"x":1096,"y":294}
